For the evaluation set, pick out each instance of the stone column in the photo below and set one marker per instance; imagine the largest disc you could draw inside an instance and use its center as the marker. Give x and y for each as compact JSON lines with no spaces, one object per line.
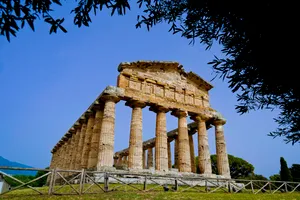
{"x":87,"y":140}
{"x":204,"y":162}
{"x":80,"y":144}
{"x":135,"y":157}
{"x":169,"y":156}
{"x":149,"y":158}
{"x":93,"y":155}
{"x":192,"y":153}
{"x":107,"y":134}
{"x":75,"y":147}
{"x":161,"y":139}
{"x":115,"y":160}
{"x":144,"y":159}
{"x":176,"y":145}
{"x":222,"y":157}
{"x":183,"y":137}
{"x":120,"y":160}
{"x":72,"y":148}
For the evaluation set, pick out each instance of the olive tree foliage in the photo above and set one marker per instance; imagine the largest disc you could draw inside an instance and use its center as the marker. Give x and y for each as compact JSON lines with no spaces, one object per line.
{"x":257,"y":39}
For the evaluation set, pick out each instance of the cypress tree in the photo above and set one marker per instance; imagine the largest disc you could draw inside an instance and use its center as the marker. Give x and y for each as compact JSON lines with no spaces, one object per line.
{"x":285,"y":173}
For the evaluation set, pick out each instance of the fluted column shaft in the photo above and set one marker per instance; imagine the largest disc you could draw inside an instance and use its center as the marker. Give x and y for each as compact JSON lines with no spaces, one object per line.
{"x":169,"y":156}
{"x":222,"y":157}
{"x":149,"y":158}
{"x":72,"y":150}
{"x":75,"y":149}
{"x":204,"y":161}
{"x":176,"y":150}
{"x":107,"y":135}
{"x":183,"y":137}
{"x":161,"y":139}
{"x":135,"y":156}
{"x":120,"y":160}
{"x":80,"y":146}
{"x":93,"y":154}
{"x":87,"y":141}
{"x":144,"y":159}
{"x":192,"y":153}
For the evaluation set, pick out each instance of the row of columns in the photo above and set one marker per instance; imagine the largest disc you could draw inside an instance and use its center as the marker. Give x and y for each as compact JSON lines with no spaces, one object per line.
{"x":91,"y":144}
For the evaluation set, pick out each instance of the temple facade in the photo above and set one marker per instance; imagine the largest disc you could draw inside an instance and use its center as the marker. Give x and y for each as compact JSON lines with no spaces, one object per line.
{"x":162,"y":87}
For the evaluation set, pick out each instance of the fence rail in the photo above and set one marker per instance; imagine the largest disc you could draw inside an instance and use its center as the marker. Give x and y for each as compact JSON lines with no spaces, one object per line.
{"x":79,"y":182}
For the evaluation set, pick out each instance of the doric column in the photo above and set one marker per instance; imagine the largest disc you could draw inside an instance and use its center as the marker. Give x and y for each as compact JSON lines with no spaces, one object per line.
{"x":107,"y":135}
{"x":75,"y":147}
{"x":192,"y":153}
{"x":183,"y":137}
{"x":144,"y":159}
{"x":169,"y":155}
{"x":116,"y":160}
{"x":176,"y":147}
{"x":87,"y":140}
{"x":222,"y":157}
{"x":120,"y":158}
{"x":149,"y":158}
{"x":161,"y":139}
{"x":80,"y":144}
{"x":93,"y":155}
{"x":204,"y":162}
{"x":72,"y":148}
{"x":135,"y":156}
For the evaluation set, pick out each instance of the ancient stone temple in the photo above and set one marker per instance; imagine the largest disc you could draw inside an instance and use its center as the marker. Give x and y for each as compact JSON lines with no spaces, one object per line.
{"x":162,"y":87}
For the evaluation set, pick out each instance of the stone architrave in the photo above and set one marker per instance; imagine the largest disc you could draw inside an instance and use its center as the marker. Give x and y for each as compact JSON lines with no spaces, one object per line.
{"x":135,"y":156}
{"x":176,"y":150}
{"x":183,"y":137}
{"x":161,"y":139}
{"x":204,"y":162}
{"x":222,"y":157}
{"x":107,"y":134}
{"x":169,"y":156}
{"x":80,"y":145}
{"x":87,"y":141}
{"x":149,"y":158}
{"x":192,"y":153}
{"x":93,"y":155}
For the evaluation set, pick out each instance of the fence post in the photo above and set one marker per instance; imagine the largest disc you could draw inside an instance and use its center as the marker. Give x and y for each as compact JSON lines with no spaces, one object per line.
{"x":176,"y":185}
{"x":106,"y":182}
{"x":285,"y":185}
{"x":145,"y":183}
{"x":81,"y":182}
{"x":229,"y":186}
{"x":53,"y":171}
{"x":206,"y":188}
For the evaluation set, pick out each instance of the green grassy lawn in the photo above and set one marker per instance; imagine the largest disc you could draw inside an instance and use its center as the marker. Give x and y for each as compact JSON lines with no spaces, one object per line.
{"x":127,"y":192}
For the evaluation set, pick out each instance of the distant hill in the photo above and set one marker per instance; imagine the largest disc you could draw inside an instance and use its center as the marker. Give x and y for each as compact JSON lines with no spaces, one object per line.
{"x":8,"y":163}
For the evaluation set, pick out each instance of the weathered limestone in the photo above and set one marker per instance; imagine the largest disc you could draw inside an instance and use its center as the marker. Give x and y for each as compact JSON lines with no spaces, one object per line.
{"x":93,"y":154}
{"x":183,"y":147}
{"x":169,"y":156}
{"x":222,"y":157}
{"x":192,"y":153}
{"x":80,"y":145}
{"x":87,"y":140}
{"x":176,"y":150}
{"x":204,"y":162}
{"x":144,"y":159}
{"x":135,"y":157}
{"x":74,"y":147}
{"x":107,"y":135}
{"x":149,"y":158}
{"x":119,"y":162}
{"x":161,"y":140}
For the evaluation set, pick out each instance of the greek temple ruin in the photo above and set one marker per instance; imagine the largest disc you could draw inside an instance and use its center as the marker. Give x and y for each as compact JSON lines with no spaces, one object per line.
{"x":163,"y":87}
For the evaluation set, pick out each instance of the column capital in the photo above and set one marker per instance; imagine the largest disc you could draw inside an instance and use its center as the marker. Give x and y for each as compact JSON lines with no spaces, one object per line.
{"x":217,"y":122}
{"x":135,"y":103}
{"x":112,"y":98}
{"x":179,"y":113}
{"x":199,"y":117}
{"x":157,"y":108}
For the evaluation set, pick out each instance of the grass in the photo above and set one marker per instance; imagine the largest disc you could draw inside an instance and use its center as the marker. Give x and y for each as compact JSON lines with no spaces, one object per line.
{"x":127,"y":192}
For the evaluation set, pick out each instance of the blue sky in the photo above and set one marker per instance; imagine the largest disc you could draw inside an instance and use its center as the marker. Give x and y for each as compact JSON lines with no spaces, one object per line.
{"x":48,"y":81}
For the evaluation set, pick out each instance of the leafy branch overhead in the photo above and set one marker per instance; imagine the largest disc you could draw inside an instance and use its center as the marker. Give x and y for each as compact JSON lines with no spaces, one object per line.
{"x":256,"y":36}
